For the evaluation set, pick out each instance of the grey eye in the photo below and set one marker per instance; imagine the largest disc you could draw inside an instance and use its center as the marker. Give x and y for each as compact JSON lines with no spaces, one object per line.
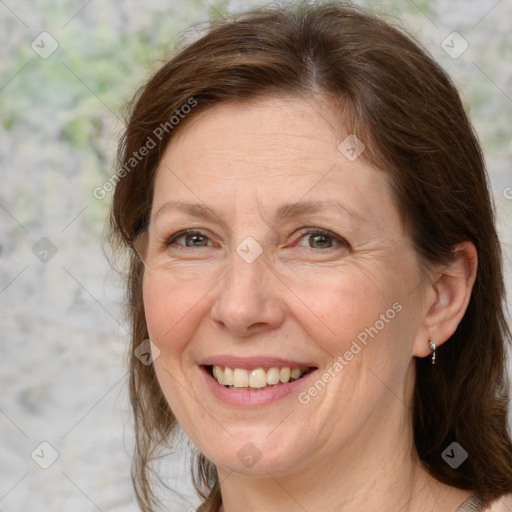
{"x":320,"y":241}
{"x":194,"y":240}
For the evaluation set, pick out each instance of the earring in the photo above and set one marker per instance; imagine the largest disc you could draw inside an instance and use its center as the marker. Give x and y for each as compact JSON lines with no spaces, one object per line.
{"x":432,"y":345}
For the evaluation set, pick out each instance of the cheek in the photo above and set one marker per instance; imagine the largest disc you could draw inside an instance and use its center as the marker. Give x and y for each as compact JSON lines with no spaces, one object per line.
{"x":173,"y":313}
{"x":340,"y":307}
{"x":369,"y":324}
{"x":172,"y":309}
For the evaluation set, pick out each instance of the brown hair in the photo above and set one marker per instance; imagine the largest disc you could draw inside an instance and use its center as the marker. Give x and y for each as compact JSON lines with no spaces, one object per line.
{"x":411,"y":119}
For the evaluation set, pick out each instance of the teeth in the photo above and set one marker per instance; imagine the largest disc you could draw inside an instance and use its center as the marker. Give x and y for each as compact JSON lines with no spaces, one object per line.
{"x":295,"y":373}
{"x":258,"y":378}
{"x":228,"y":376}
{"x":285,"y":374}
{"x":273,"y":376}
{"x":218,"y":374}
{"x":240,"y":378}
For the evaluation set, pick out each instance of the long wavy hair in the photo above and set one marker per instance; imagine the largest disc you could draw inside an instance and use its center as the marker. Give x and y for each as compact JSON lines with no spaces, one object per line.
{"x":389,"y":91}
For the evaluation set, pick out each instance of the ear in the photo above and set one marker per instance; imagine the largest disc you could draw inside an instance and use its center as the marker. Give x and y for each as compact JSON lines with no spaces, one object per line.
{"x":447,"y":297}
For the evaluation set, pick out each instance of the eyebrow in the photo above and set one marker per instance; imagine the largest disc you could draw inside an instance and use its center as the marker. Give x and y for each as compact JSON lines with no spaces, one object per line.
{"x":285,"y":211}
{"x":309,"y":207}
{"x":193,"y":209}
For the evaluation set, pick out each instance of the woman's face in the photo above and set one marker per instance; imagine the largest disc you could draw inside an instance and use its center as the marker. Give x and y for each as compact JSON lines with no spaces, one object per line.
{"x":297,"y":261}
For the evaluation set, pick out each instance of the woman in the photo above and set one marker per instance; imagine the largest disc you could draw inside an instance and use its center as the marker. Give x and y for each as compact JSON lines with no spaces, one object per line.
{"x":316,"y":265}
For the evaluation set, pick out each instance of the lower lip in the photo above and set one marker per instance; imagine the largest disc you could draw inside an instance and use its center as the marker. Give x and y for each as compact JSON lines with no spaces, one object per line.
{"x":250,"y":398}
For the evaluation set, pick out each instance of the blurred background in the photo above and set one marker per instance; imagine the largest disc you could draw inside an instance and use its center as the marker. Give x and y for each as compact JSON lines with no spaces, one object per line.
{"x":67,"y":68}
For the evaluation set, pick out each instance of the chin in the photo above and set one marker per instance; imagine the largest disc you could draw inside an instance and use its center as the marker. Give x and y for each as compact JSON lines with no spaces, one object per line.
{"x":251,"y":452}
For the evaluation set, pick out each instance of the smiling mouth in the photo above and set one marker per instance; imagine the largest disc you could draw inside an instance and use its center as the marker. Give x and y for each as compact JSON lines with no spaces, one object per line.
{"x":257,"y":378}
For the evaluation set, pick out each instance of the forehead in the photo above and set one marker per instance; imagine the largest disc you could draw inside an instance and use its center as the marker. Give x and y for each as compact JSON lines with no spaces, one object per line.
{"x":265,"y":133}
{"x":280,"y":150}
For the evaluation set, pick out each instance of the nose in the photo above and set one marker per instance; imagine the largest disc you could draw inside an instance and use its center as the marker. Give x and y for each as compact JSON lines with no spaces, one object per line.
{"x":248,"y":301}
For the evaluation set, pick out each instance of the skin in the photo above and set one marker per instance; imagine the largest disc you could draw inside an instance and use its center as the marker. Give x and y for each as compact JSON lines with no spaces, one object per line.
{"x":351,"y":447}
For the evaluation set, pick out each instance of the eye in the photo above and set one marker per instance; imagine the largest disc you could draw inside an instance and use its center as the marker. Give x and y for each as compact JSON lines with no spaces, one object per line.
{"x":321,"y":239}
{"x":189,"y":238}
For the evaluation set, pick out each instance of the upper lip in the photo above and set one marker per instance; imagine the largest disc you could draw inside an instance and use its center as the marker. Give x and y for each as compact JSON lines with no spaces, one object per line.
{"x":250,"y":363}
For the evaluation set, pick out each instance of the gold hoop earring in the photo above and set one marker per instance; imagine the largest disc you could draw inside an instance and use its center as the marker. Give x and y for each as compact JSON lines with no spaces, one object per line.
{"x":432,"y":345}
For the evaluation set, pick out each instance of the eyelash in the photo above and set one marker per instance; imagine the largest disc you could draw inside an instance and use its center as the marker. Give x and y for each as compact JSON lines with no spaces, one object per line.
{"x":340,"y":241}
{"x":307,"y":231}
{"x":175,"y":237}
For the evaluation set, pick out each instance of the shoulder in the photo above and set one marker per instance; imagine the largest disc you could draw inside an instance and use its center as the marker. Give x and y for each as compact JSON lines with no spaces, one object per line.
{"x":503,"y":504}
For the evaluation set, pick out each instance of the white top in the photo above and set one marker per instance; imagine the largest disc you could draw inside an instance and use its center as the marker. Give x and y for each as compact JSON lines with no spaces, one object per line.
{"x":474,"y":504}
